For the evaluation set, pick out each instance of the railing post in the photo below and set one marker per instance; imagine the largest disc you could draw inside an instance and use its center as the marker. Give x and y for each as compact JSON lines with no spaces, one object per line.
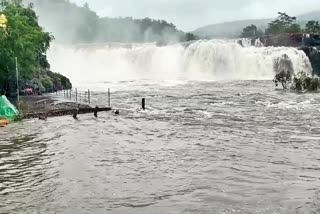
{"x":76,"y":95}
{"x":89,"y":96}
{"x":109,"y":98}
{"x":143,"y":103}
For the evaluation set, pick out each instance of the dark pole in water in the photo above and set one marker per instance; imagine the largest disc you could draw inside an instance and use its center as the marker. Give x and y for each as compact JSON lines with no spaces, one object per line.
{"x":144,"y":103}
{"x":76,"y":95}
{"x":95,"y":111}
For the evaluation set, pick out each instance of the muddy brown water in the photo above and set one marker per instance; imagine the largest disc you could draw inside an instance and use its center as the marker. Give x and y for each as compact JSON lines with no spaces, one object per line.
{"x":200,"y":147}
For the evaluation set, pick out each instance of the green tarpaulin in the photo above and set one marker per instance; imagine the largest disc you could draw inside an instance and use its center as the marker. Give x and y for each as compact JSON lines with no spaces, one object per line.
{"x":7,"y":110}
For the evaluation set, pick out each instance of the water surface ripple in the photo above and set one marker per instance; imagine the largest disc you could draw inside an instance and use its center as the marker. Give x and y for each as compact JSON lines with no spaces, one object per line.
{"x":201,"y":147}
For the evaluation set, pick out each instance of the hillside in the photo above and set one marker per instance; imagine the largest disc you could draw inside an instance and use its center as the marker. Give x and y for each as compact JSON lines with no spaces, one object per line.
{"x":229,"y":29}
{"x":70,"y":23}
{"x":234,"y":29}
{"x":314,"y":15}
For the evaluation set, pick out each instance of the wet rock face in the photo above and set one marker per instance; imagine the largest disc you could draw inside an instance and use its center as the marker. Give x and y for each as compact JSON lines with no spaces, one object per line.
{"x":290,"y":40}
{"x":312,"y":40}
{"x":314,"y":57}
{"x":309,"y":43}
{"x":286,"y":40}
{"x":283,"y":63}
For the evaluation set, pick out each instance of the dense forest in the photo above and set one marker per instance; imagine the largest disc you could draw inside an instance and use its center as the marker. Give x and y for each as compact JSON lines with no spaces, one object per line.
{"x":282,"y":24}
{"x":23,"y":44}
{"x":75,"y":24}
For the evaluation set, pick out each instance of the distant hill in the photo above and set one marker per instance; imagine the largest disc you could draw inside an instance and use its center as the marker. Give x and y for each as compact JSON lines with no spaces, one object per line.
{"x":234,"y":29}
{"x":229,"y":29}
{"x":314,"y":15}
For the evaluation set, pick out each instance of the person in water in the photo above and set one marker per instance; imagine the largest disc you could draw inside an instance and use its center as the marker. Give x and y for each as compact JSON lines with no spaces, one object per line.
{"x":75,"y":112}
{"x":43,"y":116}
{"x":75,"y":115}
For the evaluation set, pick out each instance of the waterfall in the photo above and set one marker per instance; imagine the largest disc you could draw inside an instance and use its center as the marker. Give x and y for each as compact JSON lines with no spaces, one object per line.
{"x":200,"y":60}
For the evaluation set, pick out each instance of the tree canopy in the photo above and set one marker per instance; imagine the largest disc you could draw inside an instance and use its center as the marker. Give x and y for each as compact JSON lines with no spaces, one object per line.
{"x":283,"y":24}
{"x":312,"y":27}
{"x":251,"y":31}
{"x":75,"y":24}
{"x":23,"y":38}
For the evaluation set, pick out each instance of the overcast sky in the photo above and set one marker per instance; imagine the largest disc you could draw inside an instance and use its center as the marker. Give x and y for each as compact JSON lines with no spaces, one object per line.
{"x":188,"y":15}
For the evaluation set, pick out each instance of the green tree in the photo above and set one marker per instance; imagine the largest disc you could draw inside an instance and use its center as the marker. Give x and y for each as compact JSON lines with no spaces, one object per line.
{"x":251,"y":31}
{"x":294,"y":28}
{"x":47,"y":83}
{"x":190,"y":37}
{"x":284,"y":77}
{"x":304,"y":82}
{"x":24,"y":39}
{"x":312,"y":27}
{"x":283,"y":24}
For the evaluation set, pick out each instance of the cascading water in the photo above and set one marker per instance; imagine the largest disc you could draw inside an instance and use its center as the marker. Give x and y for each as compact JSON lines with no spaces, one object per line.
{"x":248,"y":42}
{"x":200,"y":60}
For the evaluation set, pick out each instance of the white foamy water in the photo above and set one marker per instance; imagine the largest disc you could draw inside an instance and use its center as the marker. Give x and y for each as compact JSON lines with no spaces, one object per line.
{"x":201,"y":60}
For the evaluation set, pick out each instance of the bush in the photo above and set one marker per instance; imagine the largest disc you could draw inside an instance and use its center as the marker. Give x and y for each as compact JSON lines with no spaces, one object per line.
{"x":284,"y":77}
{"x":305,"y":82}
{"x":47,"y":84}
{"x":315,"y":84}
{"x":300,"y":82}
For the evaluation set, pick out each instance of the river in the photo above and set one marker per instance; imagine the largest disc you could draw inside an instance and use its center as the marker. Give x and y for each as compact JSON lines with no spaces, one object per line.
{"x":200,"y":147}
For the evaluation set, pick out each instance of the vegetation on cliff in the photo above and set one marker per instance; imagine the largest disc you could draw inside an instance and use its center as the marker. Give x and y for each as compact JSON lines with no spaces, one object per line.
{"x":251,"y":31}
{"x":282,"y":24}
{"x":75,"y":24}
{"x":23,"y":38}
{"x":312,"y":27}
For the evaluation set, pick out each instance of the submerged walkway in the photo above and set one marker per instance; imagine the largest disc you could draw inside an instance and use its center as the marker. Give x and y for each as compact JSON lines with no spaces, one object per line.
{"x":33,"y":107}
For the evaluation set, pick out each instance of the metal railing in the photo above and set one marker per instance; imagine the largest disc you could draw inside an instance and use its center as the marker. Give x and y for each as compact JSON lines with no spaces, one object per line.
{"x":76,"y":95}
{"x":79,"y":96}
